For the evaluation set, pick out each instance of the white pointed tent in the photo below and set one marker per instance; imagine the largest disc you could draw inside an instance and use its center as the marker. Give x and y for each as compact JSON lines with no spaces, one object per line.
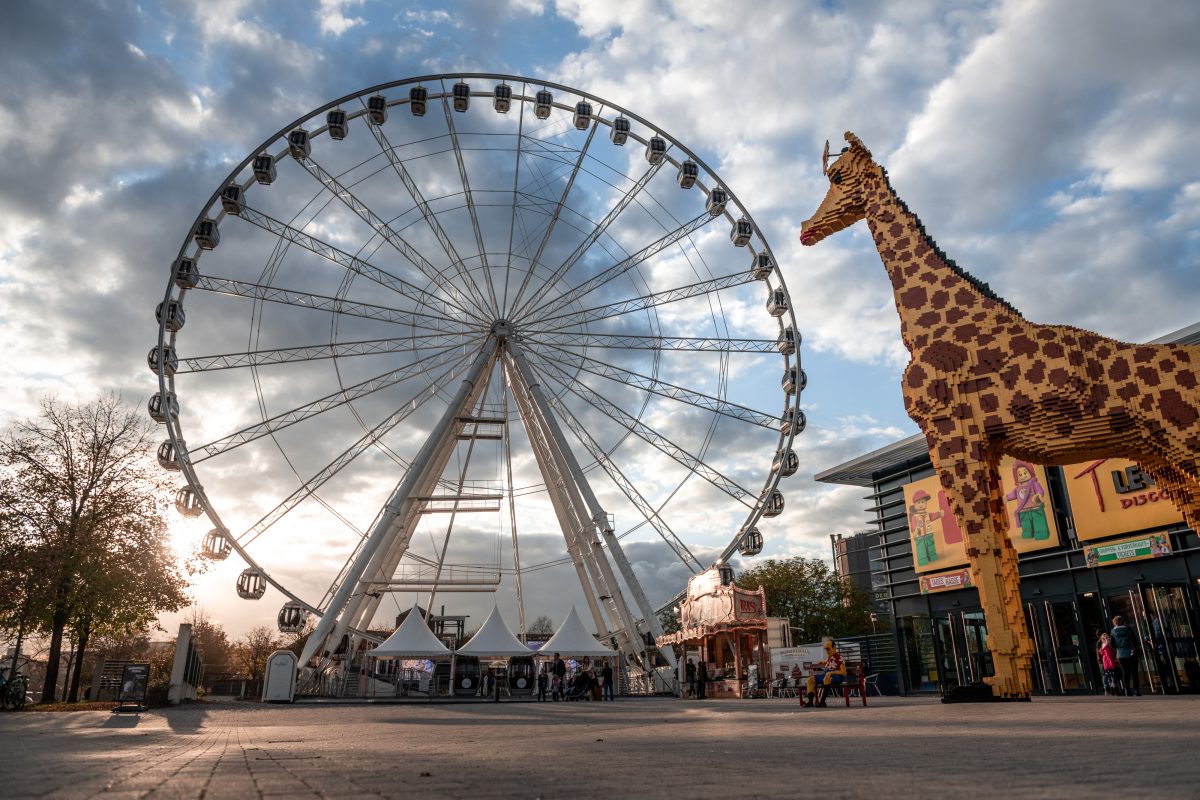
{"x":572,"y":639}
{"x":412,"y":639}
{"x":494,"y":640}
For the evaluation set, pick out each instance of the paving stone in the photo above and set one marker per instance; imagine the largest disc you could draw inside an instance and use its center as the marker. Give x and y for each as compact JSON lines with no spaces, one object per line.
{"x":656,"y":748}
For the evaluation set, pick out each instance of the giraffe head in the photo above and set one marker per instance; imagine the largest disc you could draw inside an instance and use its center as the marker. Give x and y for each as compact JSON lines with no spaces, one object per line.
{"x":845,"y":204}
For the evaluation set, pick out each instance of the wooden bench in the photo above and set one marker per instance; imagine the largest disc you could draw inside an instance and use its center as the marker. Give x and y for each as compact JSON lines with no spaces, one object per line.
{"x":855,"y":681}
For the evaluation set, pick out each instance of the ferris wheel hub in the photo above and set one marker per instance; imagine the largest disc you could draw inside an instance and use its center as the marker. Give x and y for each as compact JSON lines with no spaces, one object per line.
{"x":502,"y":329}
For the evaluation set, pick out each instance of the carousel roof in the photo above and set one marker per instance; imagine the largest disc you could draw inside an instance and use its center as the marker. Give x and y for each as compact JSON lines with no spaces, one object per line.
{"x":413,"y":639}
{"x":572,"y":639}
{"x":494,"y":639}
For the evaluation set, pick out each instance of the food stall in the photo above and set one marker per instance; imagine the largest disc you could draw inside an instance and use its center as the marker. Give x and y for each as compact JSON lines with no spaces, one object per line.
{"x":726,"y":628}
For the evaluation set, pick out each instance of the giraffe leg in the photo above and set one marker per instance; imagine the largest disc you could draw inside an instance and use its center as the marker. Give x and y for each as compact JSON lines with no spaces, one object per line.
{"x":973,"y":489}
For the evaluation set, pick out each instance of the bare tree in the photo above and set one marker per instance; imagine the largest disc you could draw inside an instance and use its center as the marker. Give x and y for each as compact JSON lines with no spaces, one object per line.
{"x":79,"y":488}
{"x":542,"y":626}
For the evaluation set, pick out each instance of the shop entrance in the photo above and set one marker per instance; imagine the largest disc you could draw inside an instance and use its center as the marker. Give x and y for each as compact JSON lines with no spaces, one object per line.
{"x":1058,"y":645}
{"x":1164,"y":621}
{"x":962,"y":636}
{"x":1170,"y":636}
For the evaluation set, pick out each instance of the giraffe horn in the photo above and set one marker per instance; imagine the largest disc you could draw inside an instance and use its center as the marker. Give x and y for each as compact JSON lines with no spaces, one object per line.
{"x":825,"y":159}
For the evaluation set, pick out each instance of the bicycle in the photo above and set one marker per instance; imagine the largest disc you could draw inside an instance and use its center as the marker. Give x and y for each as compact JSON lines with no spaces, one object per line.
{"x":12,"y":691}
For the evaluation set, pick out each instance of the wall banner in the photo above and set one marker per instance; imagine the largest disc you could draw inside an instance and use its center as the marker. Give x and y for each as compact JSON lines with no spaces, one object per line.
{"x":1111,"y":496}
{"x":937,"y":541}
{"x":945,"y":581}
{"x":1135,"y":548}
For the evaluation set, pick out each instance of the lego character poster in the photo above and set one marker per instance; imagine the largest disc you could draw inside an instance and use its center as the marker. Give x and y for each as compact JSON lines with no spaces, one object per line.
{"x":1030,"y":518}
{"x":1110,"y":496}
{"x":937,"y":541}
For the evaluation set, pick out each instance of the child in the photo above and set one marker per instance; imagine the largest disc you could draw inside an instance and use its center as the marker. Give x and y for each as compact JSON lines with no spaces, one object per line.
{"x":542,"y":685}
{"x":1108,"y":664}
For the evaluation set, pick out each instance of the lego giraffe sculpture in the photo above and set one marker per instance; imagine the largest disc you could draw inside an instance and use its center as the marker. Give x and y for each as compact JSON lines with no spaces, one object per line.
{"x":985,"y":382}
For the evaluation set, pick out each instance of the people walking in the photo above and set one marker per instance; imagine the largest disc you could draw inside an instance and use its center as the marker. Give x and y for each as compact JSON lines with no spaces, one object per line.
{"x":542,"y":679}
{"x":1106,"y":654}
{"x":691,"y":678}
{"x":701,"y":681}
{"x":560,"y":676}
{"x":1125,"y":640}
{"x":606,"y":680}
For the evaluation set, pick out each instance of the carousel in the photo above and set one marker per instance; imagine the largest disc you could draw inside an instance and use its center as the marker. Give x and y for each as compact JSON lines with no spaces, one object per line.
{"x":725,"y":628}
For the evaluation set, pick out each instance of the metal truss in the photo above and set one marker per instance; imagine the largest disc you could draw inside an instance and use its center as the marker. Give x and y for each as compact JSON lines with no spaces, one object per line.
{"x":662,"y":388}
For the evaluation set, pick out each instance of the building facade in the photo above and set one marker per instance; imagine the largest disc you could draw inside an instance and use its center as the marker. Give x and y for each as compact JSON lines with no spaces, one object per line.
{"x":1096,"y":540}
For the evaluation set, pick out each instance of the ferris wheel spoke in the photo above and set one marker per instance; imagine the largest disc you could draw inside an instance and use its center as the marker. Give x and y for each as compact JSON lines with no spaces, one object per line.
{"x":623,"y":307}
{"x":466,"y":184}
{"x":595,"y":234}
{"x":317,"y":352}
{"x":612,"y":341}
{"x":648,"y":512}
{"x":347,"y":456}
{"x":548,"y":310}
{"x":330,"y":401}
{"x":414,"y":191}
{"x":351,"y":263}
{"x":558,"y":207}
{"x":390,"y":235}
{"x":319,"y":302}
{"x":662,"y":388}
{"x":646,"y":433}
{"x":512,"y":221}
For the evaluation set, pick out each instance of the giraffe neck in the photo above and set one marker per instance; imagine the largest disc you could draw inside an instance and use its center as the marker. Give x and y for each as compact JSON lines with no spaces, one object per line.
{"x":932,"y":293}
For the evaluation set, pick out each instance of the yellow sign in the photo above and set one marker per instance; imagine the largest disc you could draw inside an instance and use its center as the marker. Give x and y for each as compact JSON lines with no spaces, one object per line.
{"x":1112,"y":495}
{"x":937,"y":541}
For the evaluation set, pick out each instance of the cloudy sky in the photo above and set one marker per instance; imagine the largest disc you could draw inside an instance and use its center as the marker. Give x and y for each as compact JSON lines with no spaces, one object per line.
{"x":1044,"y":145}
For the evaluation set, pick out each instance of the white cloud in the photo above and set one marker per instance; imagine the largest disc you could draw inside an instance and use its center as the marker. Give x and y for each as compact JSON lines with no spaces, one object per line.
{"x":332,"y":20}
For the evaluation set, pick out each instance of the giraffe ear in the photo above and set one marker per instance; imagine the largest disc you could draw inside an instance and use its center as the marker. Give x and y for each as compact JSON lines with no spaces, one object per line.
{"x":825,"y":159}
{"x":856,"y":144}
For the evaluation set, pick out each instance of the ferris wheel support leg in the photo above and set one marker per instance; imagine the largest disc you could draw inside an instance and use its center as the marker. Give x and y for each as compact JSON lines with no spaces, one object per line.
{"x":569,"y":519}
{"x":576,"y":525}
{"x":599,"y":518}
{"x":385,"y":528}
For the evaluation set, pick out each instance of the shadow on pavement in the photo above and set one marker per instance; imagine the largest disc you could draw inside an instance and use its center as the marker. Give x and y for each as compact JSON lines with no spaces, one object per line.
{"x":185,"y":719}
{"x":119,"y":721}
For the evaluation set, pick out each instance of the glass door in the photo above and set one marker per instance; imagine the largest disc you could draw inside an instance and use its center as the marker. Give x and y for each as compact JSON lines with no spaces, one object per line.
{"x":1045,"y":671}
{"x":1172,"y":642}
{"x":952,"y":673}
{"x":1130,"y":606}
{"x":965,"y":656}
{"x":1064,"y":628}
{"x":978,"y":655}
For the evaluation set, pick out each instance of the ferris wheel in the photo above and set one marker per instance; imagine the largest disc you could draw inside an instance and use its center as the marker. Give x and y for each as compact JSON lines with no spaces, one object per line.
{"x":445,"y":317}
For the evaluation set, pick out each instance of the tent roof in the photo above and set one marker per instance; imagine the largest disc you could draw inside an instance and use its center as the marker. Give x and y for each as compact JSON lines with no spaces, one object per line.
{"x":494,"y":639}
{"x":572,"y":639}
{"x":413,"y":639}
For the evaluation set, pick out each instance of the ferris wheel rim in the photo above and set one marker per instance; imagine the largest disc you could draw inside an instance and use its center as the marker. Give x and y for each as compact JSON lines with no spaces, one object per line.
{"x":167,"y":382}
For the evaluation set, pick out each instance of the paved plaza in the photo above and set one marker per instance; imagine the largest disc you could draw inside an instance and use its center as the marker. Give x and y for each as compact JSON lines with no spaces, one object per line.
{"x":1073,"y":747}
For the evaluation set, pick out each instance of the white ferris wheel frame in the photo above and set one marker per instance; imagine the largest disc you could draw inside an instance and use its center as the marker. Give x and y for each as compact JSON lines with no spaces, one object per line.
{"x":349,"y":595}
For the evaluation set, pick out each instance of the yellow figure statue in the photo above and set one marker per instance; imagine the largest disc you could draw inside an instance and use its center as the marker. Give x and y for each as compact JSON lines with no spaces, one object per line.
{"x":832,"y":673}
